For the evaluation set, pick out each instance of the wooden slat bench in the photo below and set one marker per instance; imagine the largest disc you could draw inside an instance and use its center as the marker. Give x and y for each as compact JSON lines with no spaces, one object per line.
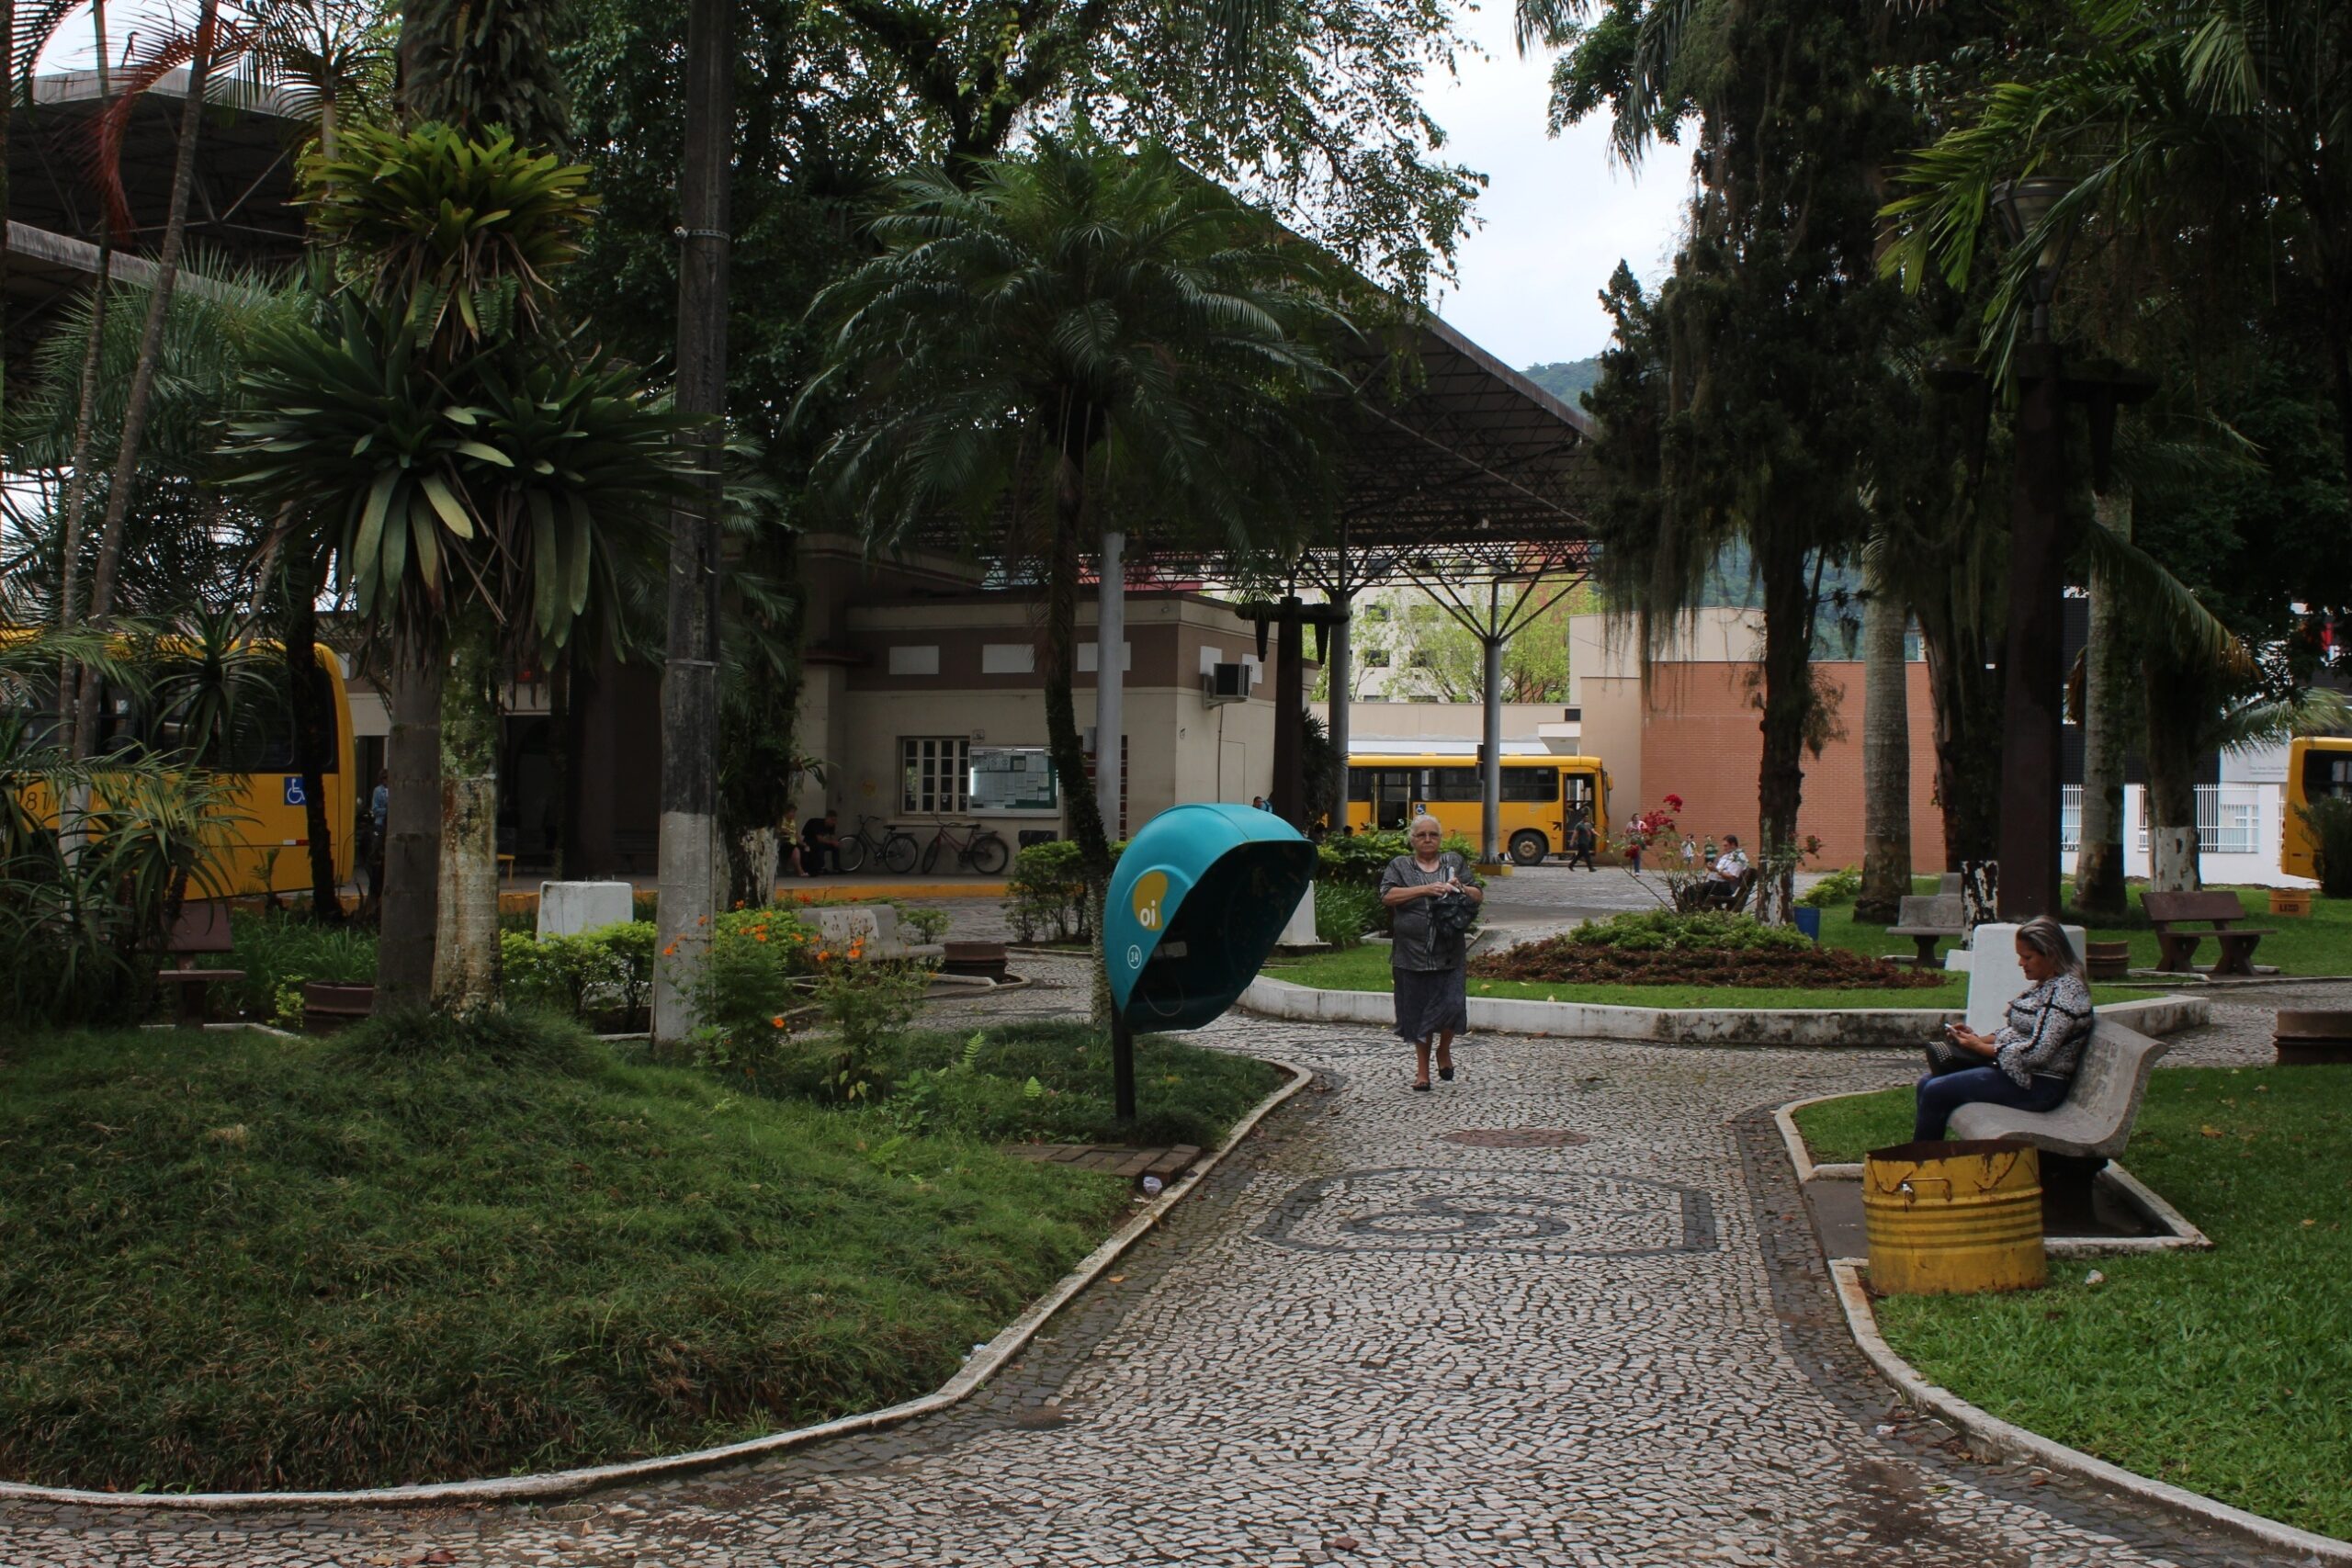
{"x":2178,"y":949}
{"x":1928,"y":920}
{"x":202,"y":927}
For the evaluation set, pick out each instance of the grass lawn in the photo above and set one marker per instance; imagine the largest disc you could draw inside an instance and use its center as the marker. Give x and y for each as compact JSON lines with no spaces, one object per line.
{"x":231,"y":1261}
{"x":1365,"y":968}
{"x":2316,"y":943}
{"x":2229,"y":1372}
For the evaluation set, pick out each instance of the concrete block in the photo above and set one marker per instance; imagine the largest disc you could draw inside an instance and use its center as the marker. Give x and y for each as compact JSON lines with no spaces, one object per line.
{"x":567,"y":908}
{"x":1994,"y":977}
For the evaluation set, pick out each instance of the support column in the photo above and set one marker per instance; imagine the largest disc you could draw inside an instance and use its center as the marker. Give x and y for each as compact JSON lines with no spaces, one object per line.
{"x":1490,"y":776}
{"x":2032,"y":672}
{"x":1110,"y":680}
{"x":1342,"y":670}
{"x":1289,"y":792}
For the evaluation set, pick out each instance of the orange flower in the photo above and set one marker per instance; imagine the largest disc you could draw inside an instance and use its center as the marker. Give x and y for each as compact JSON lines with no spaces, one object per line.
{"x":760,"y":936}
{"x":671,"y":951}
{"x":702,"y":919}
{"x":738,"y":903}
{"x":777,"y":1021}
{"x":822,"y":955}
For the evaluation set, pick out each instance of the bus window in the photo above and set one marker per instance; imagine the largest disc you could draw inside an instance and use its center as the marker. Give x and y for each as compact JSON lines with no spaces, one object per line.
{"x":1458,"y":783}
{"x":2326,"y":774}
{"x":1579,"y":795}
{"x":1392,"y":807}
{"x":1359,"y":783}
{"x":1532,"y":786}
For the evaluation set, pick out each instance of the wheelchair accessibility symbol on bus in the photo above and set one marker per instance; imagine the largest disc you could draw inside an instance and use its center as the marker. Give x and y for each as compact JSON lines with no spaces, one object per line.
{"x":294,"y":795}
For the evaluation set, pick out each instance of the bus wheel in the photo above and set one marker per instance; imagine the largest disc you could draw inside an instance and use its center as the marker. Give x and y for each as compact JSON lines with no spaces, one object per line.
{"x":1527,"y":846}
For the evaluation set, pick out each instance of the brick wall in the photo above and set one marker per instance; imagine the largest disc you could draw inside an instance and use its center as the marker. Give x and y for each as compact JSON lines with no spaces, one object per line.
{"x":1699,"y":740}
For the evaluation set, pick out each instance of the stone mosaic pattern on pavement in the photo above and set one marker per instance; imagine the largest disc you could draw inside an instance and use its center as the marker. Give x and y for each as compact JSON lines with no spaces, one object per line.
{"x":1363,"y":1342}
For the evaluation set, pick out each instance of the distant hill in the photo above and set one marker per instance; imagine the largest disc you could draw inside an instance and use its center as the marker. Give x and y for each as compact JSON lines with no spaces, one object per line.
{"x":1565,"y":378}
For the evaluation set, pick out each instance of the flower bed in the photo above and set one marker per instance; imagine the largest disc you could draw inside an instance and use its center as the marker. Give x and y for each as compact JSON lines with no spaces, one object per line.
{"x":1668,"y":949}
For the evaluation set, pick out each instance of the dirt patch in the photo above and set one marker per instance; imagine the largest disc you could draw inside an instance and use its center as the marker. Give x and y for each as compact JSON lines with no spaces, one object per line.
{"x":1560,"y":961}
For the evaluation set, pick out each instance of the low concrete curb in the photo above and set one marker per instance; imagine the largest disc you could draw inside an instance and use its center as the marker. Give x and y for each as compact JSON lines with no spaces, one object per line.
{"x":2179,"y":1234}
{"x":1689,"y":1026}
{"x":984,"y":1363}
{"x":2014,"y":1442}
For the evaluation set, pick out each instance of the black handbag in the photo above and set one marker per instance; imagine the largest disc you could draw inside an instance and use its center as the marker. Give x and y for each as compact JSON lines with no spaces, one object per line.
{"x":1451,"y":915}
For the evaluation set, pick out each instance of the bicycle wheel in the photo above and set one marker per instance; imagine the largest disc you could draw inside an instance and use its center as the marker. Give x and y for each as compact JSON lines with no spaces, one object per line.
{"x":930,"y":854}
{"x":852,"y":852}
{"x":988,"y":854}
{"x":899,"y":851}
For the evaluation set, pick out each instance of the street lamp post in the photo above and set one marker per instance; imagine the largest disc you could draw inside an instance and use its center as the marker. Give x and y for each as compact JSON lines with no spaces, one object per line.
{"x":2033,"y":672}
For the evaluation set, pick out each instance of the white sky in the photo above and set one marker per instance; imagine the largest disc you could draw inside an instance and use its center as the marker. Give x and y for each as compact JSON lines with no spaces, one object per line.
{"x":1553,"y":224}
{"x":1556,"y":216}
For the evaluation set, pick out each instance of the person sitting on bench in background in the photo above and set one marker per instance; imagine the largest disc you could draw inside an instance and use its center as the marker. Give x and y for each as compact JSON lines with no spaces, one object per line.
{"x":1723,"y":882}
{"x":2029,"y":1063}
{"x":821,"y":844}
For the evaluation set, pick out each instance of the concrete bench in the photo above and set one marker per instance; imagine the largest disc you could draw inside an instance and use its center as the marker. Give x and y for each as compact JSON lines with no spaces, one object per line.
{"x":202,"y":927}
{"x":875,"y":929}
{"x":2088,"y":1128}
{"x":2178,"y":949}
{"x":1928,"y":920}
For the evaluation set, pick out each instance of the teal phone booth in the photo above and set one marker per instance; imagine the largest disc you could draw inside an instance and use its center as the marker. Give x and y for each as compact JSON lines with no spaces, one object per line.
{"x":1198,"y":899}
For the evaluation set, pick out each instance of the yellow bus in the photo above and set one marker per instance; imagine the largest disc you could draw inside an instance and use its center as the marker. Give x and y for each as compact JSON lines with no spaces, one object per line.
{"x":2317,"y":767}
{"x":1542,"y":797}
{"x":269,"y":846}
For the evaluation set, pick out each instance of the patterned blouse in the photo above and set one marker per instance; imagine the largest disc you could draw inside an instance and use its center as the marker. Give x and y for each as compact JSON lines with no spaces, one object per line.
{"x":2047,"y":1029}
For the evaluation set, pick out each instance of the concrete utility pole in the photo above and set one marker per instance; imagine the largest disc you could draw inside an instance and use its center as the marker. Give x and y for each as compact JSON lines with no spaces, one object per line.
{"x":1110,"y":682}
{"x":690,"y":670}
{"x":1490,"y":749}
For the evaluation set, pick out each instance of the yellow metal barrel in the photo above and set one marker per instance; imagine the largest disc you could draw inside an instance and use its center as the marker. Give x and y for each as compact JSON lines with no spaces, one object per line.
{"x":1950,"y":1217}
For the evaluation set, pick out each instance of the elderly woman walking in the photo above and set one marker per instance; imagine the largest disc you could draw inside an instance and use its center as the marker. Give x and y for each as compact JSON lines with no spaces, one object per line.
{"x":2029,"y":1063}
{"x":1427,"y":962}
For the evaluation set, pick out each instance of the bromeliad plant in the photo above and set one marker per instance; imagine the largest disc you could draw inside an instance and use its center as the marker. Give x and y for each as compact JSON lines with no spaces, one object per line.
{"x":478,"y":475}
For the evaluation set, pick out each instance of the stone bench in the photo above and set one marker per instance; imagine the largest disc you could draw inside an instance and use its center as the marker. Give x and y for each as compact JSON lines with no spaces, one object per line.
{"x":875,"y":929}
{"x":2088,"y":1128}
{"x":1927,"y":920}
{"x":2178,"y":949}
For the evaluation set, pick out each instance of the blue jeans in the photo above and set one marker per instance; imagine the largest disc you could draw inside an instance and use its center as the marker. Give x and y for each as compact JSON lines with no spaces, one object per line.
{"x":1940,"y":1094}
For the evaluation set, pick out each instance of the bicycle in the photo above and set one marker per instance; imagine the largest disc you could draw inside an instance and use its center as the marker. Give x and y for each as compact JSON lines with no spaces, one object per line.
{"x":894,"y":847}
{"x":978,"y":849}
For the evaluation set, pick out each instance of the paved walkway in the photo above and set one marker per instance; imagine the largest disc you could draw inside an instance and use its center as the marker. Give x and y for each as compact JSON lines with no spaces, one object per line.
{"x":1369,"y":1341}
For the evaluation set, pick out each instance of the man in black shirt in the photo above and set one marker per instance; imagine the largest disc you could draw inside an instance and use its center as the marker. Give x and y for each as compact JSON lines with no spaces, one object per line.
{"x":821,"y":844}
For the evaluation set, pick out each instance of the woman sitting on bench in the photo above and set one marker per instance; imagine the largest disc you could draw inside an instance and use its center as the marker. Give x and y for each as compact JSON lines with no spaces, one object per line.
{"x":2029,"y":1063}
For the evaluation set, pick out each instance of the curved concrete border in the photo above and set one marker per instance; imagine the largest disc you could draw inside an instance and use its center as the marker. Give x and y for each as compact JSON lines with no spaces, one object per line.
{"x":2012,"y":1441}
{"x":1689,"y":1026}
{"x":984,"y":1364}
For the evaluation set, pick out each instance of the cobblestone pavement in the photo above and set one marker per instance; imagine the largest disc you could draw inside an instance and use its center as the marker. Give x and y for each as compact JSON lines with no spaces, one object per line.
{"x":1369,"y":1342}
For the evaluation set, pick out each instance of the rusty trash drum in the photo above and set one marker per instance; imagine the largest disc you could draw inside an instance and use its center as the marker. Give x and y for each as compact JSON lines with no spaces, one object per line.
{"x":1950,"y":1217}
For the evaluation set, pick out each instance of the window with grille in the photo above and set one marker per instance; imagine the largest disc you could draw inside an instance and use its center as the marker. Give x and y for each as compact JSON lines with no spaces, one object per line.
{"x":937,"y":772}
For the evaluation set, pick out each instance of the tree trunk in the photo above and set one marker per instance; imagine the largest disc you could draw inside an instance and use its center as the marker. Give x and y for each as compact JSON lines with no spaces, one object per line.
{"x":2172,"y":712}
{"x":77,"y":482}
{"x":1967,"y":701}
{"x":7,"y":99}
{"x":2106,"y":694}
{"x":465,"y":953}
{"x":313,"y":729}
{"x":751,"y":863}
{"x":1788,"y":702}
{"x":1079,"y":812}
{"x":1887,"y":758}
{"x":408,"y":904}
{"x":689,"y":845}
{"x":142,"y":375}
{"x":563,"y":759}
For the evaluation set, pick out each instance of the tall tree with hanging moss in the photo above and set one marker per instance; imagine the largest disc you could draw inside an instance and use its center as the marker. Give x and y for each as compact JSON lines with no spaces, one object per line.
{"x":1760,"y":361}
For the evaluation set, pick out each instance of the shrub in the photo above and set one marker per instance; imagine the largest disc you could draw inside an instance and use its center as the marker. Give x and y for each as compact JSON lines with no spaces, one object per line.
{"x":1838,"y":887}
{"x":607,"y":970}
{"x":1357,"y":858}
{"x":1344,"y":912}
{"x":2330,"y":821}
{"x":1045,"y":895}
{"x":280,"y":952}
{"x":1661,"y":930}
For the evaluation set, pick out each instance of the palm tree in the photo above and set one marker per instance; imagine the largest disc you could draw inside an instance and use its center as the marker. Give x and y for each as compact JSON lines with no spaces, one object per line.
{"x":480,"y":479}
{"x":2226,"y":119}
{"x":1082,"y":329}
{"x":1886,"y":754}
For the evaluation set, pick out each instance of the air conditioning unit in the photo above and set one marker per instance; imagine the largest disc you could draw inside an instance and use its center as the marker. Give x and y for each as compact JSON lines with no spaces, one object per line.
{"x":1225,"y":684}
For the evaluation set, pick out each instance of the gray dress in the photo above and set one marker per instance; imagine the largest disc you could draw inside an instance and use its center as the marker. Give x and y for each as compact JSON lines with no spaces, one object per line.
{"x":1432,"y":991}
